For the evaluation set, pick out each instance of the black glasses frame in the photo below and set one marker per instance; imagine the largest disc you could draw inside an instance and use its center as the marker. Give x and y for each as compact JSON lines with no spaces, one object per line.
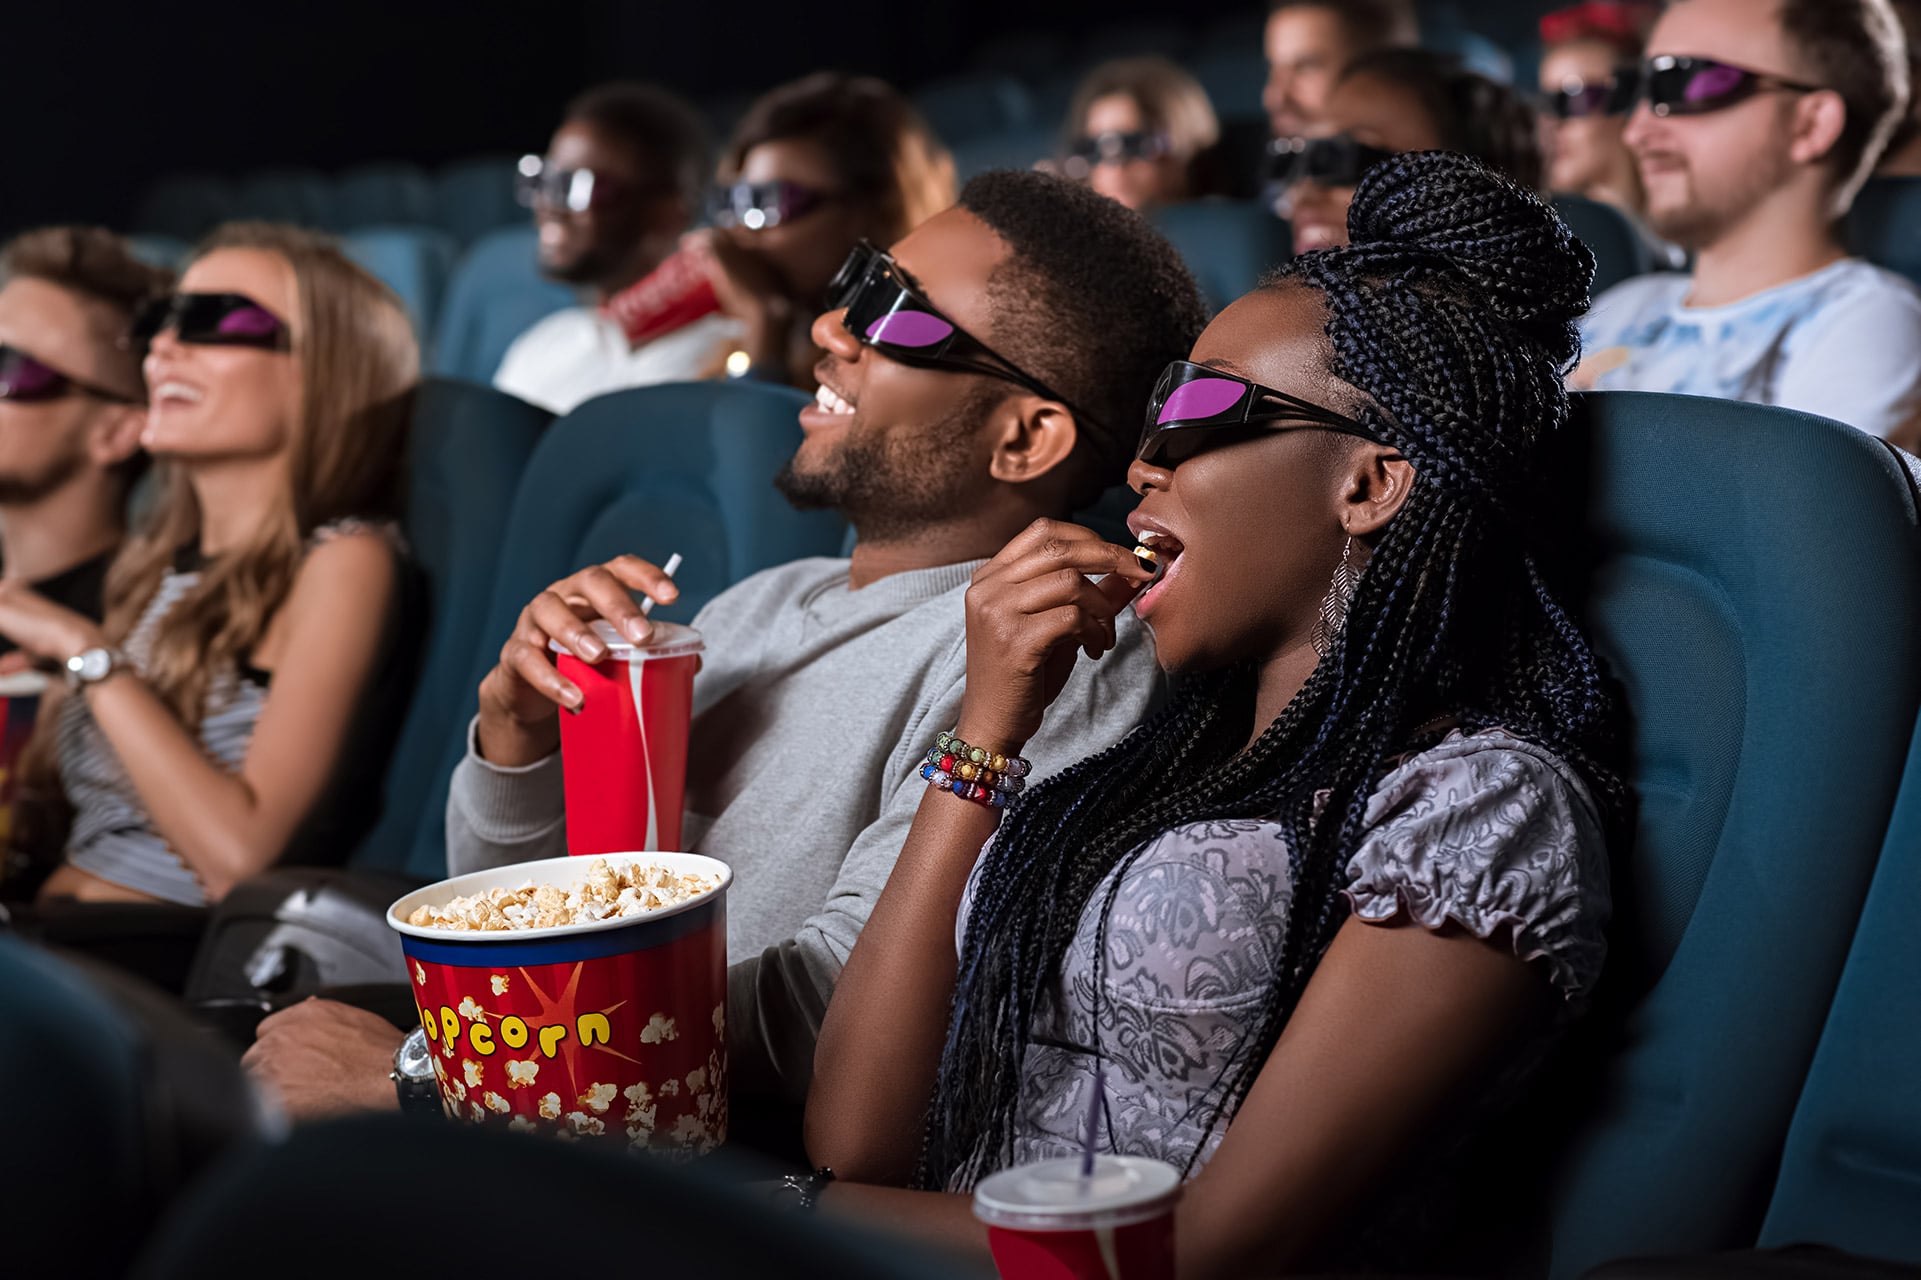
{"x":62,"y":383}
{"x":195,"y":318}
{"x":872,"y":289}
{"x":1255,"y":409}
{"x":1664,"y":81}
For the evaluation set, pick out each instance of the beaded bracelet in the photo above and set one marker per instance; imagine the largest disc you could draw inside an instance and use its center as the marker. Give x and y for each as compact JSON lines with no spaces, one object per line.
{"x":974,"y":773}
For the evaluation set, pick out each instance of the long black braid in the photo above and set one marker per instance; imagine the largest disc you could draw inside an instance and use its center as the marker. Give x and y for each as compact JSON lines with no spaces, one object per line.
{"x":1453,"y":312}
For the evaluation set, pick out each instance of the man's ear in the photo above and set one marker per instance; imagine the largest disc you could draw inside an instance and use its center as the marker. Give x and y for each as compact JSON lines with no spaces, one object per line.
{"x":114,"y":435}
{"x":1375,"y":485}
{"x":1820,"y":118}
{"x":1032,"y":437}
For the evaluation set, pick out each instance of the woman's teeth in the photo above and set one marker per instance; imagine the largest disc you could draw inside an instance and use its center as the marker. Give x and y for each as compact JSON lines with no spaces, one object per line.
{"x":827,"y":400}
{"x":177,"y":391}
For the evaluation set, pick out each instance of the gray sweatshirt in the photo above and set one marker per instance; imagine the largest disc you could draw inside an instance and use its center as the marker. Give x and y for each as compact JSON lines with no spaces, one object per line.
{"x":813,"y":709}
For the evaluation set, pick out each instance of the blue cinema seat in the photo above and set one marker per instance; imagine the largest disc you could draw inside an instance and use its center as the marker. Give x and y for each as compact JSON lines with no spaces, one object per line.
{"x":1756,"y":587}
{"x":414,"y":262}
{"x":1851,"y":1172}
{"x":1008,"y":149}
{"x":388,"y":193}
{"x":115,"y":1105}
{"x":1884,"y":226}
{"x":1228,"y":244}
{"x":496,"y":294}
{"x":469,"y":450}
{"x":968,"y":106}
{"x":303,"y":197}
{"x":159,"y":250}
{"x":472,"y":197}
{"x":1619,"y":251}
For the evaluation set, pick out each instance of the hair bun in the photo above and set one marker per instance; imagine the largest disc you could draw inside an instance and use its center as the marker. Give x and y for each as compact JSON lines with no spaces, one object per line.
{"x":1448,"y":213}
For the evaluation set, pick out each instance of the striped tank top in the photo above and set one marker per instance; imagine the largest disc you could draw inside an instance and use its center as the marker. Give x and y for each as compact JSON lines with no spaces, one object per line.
{"x":113,"y":836}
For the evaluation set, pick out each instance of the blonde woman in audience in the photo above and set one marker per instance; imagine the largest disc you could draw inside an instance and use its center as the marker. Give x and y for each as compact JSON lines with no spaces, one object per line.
{"x":1138,"y":131}
{"x":250,"y":616}
{"x":813,"y":169}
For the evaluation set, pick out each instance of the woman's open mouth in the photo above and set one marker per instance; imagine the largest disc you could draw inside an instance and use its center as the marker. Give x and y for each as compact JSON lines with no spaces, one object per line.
{"x":1165,"y":549}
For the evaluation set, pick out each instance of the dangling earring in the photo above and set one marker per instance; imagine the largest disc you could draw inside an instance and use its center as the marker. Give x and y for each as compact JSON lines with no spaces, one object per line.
{"x":1334,"y":604}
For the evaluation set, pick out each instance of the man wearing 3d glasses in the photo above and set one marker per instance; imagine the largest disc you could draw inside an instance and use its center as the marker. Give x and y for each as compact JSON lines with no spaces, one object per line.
{"x":1755,"y":128}
{"x":989,"y":371}
{"x":622,"y":180}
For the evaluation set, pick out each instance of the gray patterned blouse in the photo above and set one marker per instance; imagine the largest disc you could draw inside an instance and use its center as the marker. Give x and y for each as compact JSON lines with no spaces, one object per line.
{"x":1485,"y":831}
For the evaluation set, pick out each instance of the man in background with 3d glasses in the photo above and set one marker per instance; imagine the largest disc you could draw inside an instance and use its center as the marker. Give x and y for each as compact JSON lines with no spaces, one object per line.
{"x":1756,"y":126}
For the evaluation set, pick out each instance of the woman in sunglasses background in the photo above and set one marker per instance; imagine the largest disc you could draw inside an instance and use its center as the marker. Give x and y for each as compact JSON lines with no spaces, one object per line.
{"x":1590,"y":81}
{"x":250,"y":628}
{"x":1389,"y":102}
{"x":1141,"y":131}
{"x":814,"y":168}
{"x":1360,"y":860}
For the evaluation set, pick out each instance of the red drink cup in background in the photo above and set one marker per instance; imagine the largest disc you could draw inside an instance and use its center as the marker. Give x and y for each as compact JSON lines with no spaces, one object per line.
{"x":671,"y":296}
{"x":623,"y":755}
{"x":1047,"y":1222}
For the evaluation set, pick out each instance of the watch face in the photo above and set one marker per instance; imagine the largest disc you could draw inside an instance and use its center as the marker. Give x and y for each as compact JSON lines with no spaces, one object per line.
{"x":95,"y":663}
{"x":415,"y":1059}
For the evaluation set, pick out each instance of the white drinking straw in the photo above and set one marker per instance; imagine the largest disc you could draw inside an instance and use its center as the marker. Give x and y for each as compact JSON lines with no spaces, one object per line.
{"x":672,"y":566}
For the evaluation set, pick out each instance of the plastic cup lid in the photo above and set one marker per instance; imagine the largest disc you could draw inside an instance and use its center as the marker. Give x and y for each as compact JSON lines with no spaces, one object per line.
{"x":669,"y":640}
{"x":1053,"y":1193}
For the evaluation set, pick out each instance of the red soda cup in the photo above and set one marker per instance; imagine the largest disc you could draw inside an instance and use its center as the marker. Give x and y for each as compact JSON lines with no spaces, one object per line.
{"x":623,"y":755}
{"x":1048,"y":1221}
{"x":671,"y":296}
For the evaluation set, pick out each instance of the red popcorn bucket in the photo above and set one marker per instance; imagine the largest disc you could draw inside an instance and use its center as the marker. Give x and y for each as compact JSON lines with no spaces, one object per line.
{"x":613,"y":1029}
{"x":1047,"y":1222}
{"x":623,"y":755}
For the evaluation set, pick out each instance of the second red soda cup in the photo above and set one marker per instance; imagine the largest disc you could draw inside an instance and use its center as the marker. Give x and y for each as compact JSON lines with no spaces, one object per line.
{"x":624,"y":753}
{"x":1047,"y":1221}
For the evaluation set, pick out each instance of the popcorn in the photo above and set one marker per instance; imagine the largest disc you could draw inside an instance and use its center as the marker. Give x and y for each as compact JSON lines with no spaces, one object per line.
{"x":640,"y":1106}
{"x":470,"y":1010}
{"x":495,"y":1102}
{"x":480,"y":1111}
{"x":720,"y":1020}
{"x":458,"y":1089}
{"x":550,"y":1107}
{"x":581,"y":1122}
{"x":499,"y":983}
{"x":521,"y":1072}
{"x":521,"y":1124}
{"x":471,"y":1070}
{"x":607,"y":892}
{"x":670,"y":1088}
{"x":658,"y":1030}
{"x":597,"y":1098}
{"x":697,"y":1080}
{"x":420,"y":974}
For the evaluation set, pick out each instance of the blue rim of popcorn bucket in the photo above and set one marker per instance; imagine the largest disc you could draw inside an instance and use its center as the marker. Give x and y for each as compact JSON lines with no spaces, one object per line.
{"x":567,"y":943}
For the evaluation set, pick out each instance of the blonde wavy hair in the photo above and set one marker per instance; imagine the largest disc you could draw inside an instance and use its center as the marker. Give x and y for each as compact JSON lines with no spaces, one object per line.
{"x":359,"y":364}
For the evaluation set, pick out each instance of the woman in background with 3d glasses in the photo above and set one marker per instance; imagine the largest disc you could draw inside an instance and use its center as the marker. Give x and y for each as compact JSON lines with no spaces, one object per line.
{"x":249,"y":619}
{"x":1590,"y":80}
{"x":1314,"y":920}
{"x":1389,"y":102}
{"x":1140,"y":131}
{"x":816,"y":167}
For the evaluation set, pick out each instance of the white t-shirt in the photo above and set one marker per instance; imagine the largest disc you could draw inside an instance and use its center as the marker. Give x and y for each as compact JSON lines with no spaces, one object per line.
{"x":1844,"y":342}
{"x":577,"y":354}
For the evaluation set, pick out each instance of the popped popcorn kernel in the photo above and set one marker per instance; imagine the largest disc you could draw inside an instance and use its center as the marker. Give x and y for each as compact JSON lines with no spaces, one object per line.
{"x":499,"y":983}
{"x":670,"y":1088}
{"x":521,"y":1124}
{"x":597,"y":1098}
{"x":471,"y":1070}
{"x":606,"y":892}
{"x":420,"y":974}
{"x":697,"y":1080}
{"x":521,"y":1072}
{"x":496,"y":1103}
{"x":470,"y":1010}
{"x":581,"y":1122}
{"x":658,"y":1030}
{"x":550,"y":1107}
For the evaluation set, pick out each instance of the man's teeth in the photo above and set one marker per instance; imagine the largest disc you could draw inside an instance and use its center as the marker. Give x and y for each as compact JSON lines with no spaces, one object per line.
{"x":177,"y":391}
{"x":832,"y":403}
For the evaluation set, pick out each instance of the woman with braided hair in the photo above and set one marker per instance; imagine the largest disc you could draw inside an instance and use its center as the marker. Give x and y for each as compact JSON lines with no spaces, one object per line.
{"x":1356,"y":872}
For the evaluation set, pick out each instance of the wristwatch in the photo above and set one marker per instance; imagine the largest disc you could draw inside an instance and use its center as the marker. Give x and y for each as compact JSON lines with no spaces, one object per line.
{"x":91,"y":666}
{"x":413,"y":1076}
{"x":806,"y":1187}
